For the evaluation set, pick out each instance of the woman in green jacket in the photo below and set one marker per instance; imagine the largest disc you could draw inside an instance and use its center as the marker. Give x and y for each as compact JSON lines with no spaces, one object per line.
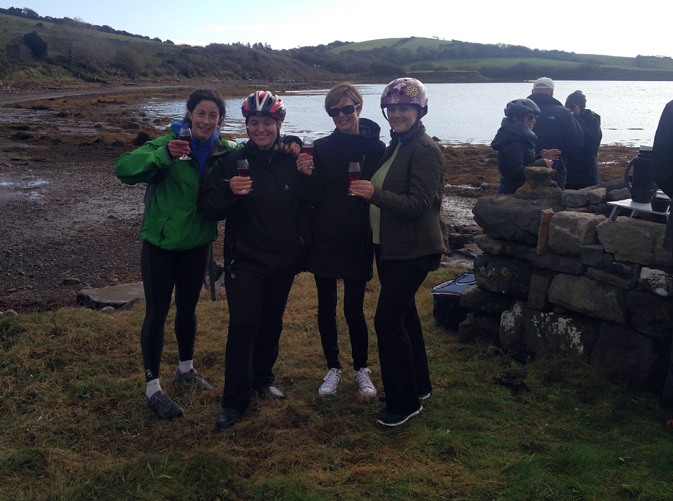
{"x":405,"y":197}
{"x":176,"y":237}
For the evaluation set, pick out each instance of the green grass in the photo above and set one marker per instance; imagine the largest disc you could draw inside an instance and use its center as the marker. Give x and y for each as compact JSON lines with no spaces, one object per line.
{"x":410,"y":43}
{"x":75,"y":426}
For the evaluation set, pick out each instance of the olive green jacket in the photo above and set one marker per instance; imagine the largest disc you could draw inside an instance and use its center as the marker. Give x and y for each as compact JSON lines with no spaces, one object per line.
{"x":411,"y":198}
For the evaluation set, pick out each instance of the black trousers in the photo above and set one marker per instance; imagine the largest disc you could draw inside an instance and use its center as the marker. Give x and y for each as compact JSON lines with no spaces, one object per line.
{"x":161,"y":271}
{"x":256,"y":308}
{"x":404,"y":363}
{"x":354,"y":297}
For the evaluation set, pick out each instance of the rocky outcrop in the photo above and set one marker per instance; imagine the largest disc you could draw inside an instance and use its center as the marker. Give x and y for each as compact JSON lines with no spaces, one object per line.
{"x":557,"y":276}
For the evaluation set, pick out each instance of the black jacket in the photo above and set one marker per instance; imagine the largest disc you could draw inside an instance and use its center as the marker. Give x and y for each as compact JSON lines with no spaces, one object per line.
{"x":515,"y":145}
{"x":662,"y":161}
{"x":341,"y":244}
{"x":265,"y":229}
{"x":583,"y":165}
{"x":556,"y":127}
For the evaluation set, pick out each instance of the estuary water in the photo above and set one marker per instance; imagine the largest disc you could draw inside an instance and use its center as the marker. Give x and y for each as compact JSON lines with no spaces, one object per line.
{"x":468,"y":112}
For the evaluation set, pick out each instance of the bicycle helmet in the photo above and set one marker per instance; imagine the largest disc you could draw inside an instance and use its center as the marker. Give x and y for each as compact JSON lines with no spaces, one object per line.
{"x":520,"y":108}
{"x":405,"y":91}
{"x":263,"y":103}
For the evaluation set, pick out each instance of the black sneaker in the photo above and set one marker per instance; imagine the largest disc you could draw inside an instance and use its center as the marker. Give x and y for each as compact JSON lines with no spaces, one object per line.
{"x":163,"y":406}
{"x":227,"y":418}
{"x":423,"y":396}
{"x":192,"y":377}
{"x":390,"y":419}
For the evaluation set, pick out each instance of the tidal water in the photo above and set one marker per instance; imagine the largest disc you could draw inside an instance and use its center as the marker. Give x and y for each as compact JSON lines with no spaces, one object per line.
{"x":468,"y":112}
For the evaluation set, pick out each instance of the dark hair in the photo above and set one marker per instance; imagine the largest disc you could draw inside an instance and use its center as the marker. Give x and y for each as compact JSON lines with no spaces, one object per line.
{"x":577,"y":98}
{"x":205,"y":95}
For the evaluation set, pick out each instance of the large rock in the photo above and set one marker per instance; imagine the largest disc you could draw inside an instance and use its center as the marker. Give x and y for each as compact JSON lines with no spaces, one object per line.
{"x":650,"y":315}
{"x":656,"y":281}
{"x":523,"y":330}
{"x":635,"y":241}
{"x":628,"y":355}
{"x":569,"y":231}
{"x":539,"y":185}
{"x":589,"y":297}
{"x":508,"y":218}
{"x":502,"y":274}
{"x":624,"y":275}
{"x":538,"y":289}
{"x":117,"y":297}
{"x":479,"y":328}
{"x":574,"y":198}
{"x":477,"y":299}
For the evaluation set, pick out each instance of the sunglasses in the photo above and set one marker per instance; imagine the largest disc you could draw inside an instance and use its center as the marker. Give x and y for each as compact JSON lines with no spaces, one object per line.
{"x":346,"y":110}
{"x":530,"y":118}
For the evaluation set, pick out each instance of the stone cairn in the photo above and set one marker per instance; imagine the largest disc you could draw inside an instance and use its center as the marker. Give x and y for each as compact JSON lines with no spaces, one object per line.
{"x":556,"y":276}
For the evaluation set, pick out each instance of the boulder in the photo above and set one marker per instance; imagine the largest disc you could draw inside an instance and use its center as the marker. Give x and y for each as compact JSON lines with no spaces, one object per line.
{"x":624,"y":275}
{"x":596,"y":196}
{"x":539,"y":185}
{"x":635,"y":241}
{"x":592,"y":255}
{"x":478,"y":299}
{"x":656,"y":281}
{"x":574,"y":198}
{"x":479,"y":327}
{"x":507,"y":218}
{"x":117,"y":296}
{"x":546,"y":216}
{"x":589,"y":297}
{"x":569,"y":231}
{"x":538,"y":289}
{"x":628,"y":355}
{"x":502,"y":274}
{"x":650,"y":314}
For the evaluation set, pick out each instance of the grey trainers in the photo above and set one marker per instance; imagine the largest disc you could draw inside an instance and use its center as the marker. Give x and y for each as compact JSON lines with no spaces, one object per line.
{"x":331,"y":382}
{"x":162,"y":405}
{"x":192,"y":377}
{"x":365,"y":385}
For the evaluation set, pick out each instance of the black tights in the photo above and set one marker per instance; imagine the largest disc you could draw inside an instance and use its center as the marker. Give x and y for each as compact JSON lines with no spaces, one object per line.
{"x":161,"y":271}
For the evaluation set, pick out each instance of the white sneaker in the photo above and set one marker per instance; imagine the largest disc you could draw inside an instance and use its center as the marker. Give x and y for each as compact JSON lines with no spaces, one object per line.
{"x":365,"y":385}
{"x":331,"y":382}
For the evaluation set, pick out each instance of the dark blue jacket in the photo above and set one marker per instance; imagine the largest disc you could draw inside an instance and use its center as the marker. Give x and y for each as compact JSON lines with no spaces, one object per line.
{"x":662,"y":163}
{"x":515,"y":145}
{"x":583,"y":165}
{"x":556,"y":127}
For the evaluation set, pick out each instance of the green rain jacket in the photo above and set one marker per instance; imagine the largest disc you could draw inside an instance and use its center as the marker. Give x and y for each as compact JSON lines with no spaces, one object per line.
{"x":171,"y":220}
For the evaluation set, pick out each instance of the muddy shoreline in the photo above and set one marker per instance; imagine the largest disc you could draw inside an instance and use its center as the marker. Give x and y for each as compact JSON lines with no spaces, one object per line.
{"x":67,"y":223}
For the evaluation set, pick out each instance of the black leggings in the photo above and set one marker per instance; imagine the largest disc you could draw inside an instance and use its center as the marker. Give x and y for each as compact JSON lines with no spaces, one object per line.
{"x":161,"y":271}
{"x":354,"y":296}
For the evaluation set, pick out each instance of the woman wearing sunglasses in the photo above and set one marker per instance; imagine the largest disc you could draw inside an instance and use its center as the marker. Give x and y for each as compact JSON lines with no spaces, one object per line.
{"x":515,"y":144}
{"x":341,"y":245}
{"x":405,"y":196}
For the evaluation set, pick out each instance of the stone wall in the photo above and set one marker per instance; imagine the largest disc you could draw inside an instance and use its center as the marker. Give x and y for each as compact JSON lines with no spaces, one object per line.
{"x":557,"y":276}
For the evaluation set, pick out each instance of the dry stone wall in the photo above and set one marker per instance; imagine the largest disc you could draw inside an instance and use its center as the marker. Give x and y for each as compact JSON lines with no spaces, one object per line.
{"x":557,"y":276}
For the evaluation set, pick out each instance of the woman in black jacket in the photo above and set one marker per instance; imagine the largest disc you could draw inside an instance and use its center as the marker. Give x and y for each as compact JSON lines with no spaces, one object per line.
{"x":515,"y":144}
{"x":583,"y":164}
{"x":264,"y":210}
{"x":341,"y":246}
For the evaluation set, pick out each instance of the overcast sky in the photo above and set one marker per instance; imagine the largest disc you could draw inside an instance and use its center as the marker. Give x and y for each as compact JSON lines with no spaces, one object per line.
{"x":584,"y":27}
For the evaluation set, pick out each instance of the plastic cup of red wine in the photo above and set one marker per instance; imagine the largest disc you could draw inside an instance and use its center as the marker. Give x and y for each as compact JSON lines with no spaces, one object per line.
{"x":243,"y":170}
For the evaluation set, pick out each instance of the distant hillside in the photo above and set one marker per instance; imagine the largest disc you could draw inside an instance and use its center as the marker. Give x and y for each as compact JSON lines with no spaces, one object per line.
{"x":60,"y":49}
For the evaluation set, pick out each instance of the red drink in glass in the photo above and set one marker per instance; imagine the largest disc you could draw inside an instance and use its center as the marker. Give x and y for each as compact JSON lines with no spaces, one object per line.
{"x":244,"y":171}
{"x":354,"y":175}
{"x":185,"y":138}
{"x":308,"y":150}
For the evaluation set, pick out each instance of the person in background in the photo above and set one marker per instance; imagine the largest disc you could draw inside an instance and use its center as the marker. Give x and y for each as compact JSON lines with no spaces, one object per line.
{"x":582,"y":167}
{"x":515,"y":144}
{"x":556,"y":127}
{"x":176,"y":237}
{"x":405,"y":196}
{"x":662,"y":165}
{"x":341,"y":246}
{"x":266,"y":210}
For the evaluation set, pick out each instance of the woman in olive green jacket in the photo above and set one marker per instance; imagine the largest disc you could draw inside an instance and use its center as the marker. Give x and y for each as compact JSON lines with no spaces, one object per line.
{"x":176,"y":237}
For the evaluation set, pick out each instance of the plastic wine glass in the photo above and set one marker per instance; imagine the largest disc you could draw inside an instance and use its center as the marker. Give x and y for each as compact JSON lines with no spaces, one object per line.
{"x":353,"y":173}
{"x":185,"y":134}
{"x":243,"y":170}
{"x":307,"y":146}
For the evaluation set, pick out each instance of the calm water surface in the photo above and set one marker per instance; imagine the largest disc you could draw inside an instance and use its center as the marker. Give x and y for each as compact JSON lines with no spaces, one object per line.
{"x":470,"y":112}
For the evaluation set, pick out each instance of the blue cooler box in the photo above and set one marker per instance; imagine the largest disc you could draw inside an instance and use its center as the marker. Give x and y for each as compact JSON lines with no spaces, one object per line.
{"x":446,"y":308}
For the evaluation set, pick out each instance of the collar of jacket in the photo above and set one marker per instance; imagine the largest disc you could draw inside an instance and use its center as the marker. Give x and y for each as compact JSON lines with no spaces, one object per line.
{"x":544,"y":100}
{"x":369,"y":131}
{"x":255,"y":152}
{"x":416,"y":130}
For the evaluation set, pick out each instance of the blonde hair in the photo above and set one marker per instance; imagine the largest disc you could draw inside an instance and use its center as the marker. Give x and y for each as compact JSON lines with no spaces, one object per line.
{"x":339,"y":91}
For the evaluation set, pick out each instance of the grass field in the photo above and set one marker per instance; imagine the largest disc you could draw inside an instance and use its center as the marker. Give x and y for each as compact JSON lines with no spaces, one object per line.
{"x":75,"y":425}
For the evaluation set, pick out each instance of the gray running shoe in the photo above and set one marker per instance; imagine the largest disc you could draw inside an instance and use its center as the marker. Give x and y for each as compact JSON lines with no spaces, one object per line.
{"x":192,"y":377}
{"x":162,"y":405}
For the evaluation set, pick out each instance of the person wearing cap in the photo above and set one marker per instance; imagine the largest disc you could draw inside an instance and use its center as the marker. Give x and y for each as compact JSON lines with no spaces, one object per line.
{"x":515,"y":144}
{"x":662,"y":168}
{"x":405,"y":196}
{"x":556,"y":127}
{"x":582,"y":167}
{"x":266,"y":211}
